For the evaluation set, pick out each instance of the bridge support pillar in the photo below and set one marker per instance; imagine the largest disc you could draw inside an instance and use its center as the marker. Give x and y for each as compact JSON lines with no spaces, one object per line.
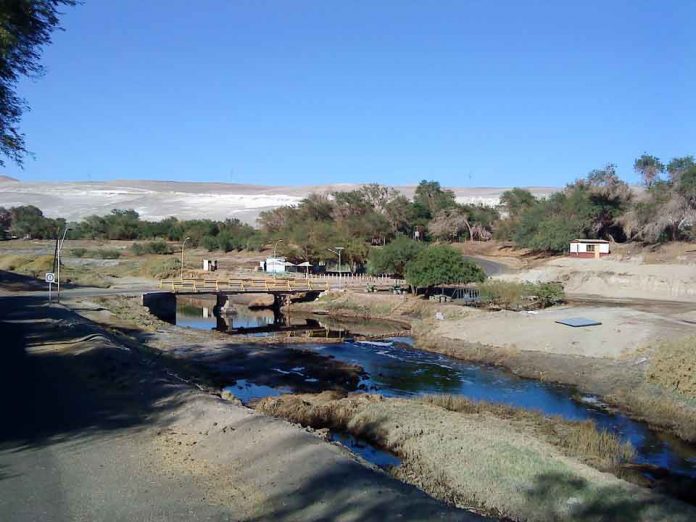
{"x":161,"y":304}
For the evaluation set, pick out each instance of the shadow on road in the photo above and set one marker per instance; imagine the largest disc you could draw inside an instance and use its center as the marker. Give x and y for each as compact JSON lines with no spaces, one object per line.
{"x":60,"y":377}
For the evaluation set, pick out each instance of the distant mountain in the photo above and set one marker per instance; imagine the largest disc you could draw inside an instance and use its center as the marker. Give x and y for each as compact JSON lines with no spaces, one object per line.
{"x":7,"y":178}
{"x":188,"y":200}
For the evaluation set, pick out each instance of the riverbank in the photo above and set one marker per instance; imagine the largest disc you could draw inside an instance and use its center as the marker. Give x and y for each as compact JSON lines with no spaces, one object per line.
{"x":491,"y":458}
{"x":614,"y":361}
{"x":104,"y":428}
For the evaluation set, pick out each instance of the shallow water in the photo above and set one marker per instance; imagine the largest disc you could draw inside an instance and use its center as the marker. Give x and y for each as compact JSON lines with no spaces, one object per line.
{"x":395,"y":368}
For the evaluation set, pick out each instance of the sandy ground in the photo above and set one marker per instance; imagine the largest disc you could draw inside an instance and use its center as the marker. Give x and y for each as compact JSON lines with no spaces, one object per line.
{"x":101,"y":431}
{"x":615,"y":279}
{"x":623,"y":330}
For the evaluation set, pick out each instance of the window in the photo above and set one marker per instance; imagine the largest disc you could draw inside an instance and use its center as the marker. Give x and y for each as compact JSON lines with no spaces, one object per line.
{"x":590,"y":248}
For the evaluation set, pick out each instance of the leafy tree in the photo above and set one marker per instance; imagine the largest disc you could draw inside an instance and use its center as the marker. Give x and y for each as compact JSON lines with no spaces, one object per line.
{"x":450,"y":224}
{"x":393,"y":258}
{"x":5,"y":222}
{"x":440,"y":265}
{"x":677,"y":166}
{"x":649,"y":167}
{"x":516,"y":201}
{"x":430,"y":198}
{"x":25,"y":27}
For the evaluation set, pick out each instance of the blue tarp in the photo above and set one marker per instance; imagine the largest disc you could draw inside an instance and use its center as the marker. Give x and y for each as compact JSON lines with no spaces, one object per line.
{"x":577,"y":322}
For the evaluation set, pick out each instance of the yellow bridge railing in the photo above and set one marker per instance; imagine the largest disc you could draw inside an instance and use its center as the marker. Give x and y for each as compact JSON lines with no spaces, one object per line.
{"x":242,"y":285}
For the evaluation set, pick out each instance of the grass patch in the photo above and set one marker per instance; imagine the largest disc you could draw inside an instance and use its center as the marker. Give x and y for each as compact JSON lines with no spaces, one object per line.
{"x":151,"y":247}
{"x":162,"y":268}
{"x":581,"y":440}
{"x":486,"y":457}
{"x":673,"y":366}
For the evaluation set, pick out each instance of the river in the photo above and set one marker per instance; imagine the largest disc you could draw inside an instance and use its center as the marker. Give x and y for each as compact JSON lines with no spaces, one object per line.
{"x":394,"y":367}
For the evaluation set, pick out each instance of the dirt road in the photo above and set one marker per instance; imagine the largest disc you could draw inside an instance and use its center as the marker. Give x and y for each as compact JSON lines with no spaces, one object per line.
{"x":97,"y":430}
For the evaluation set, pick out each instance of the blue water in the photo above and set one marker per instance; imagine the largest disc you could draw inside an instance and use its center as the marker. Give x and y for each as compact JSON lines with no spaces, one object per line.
{"x":397,"y":370}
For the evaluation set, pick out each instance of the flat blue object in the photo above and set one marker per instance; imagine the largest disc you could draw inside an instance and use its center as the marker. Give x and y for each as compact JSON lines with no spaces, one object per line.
{"x":577,"y":322}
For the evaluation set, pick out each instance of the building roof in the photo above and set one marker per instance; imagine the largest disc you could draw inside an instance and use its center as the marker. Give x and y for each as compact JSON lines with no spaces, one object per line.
{"x":589,"y":241}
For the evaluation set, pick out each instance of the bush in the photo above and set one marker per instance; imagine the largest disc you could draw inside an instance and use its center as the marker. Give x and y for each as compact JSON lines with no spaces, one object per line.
{"x":439,"y":265}
{"x":163,"y":268}
{"x":105,"y":253}
{"x":78,"y":252}
{"x":151,"y":247}
{"x":516,"y":296}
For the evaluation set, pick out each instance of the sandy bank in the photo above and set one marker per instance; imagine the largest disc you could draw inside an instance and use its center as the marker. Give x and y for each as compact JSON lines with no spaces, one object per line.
{"x":615,"y":279}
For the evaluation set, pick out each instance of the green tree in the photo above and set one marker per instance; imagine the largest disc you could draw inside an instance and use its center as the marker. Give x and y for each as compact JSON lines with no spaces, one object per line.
{"x":430,"y":198}
{"x":25,"y":27}
{"x":440,"y":265}
{"x":516,"y":201}
{"x":393,"y":258}
{"x":677,"y":166}
{"x":649,"y":167}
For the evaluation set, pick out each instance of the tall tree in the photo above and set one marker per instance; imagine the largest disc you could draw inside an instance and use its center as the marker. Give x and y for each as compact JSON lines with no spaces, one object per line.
{"x":25,"y":27}
{"x":649,"y":167}
{"x":677,"y":166}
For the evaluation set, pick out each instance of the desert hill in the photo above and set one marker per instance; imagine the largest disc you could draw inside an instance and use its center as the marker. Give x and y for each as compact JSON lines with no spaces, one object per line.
{"x":187,"y":200}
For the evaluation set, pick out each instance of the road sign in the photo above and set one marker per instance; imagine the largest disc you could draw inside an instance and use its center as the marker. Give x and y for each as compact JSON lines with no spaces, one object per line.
{"x":50,"y":277}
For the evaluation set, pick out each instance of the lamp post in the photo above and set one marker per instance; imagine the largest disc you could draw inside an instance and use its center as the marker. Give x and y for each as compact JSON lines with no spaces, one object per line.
{"x":274,"y":257}
{"x":182,"y":256}
{"x":337,"y":251}
{"x":60,"y":248}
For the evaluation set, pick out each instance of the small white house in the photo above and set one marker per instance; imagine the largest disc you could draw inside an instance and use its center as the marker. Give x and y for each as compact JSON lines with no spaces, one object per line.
{"x":589,"y":248}
{"x":275,"y":265}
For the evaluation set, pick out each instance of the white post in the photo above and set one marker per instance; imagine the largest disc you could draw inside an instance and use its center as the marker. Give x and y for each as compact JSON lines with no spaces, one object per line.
{"x":60,"y":247}
{"x":182,"y":257}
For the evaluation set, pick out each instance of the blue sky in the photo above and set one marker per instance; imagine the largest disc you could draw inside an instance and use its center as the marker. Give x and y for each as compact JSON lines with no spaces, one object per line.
{"x":470,"y":93}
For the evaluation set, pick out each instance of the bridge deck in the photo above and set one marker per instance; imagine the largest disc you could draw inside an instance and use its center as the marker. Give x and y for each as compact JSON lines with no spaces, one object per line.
{"x":240,"y":286}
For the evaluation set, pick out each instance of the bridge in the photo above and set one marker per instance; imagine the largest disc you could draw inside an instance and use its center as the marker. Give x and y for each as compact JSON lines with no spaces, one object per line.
{"x":243,"y":286}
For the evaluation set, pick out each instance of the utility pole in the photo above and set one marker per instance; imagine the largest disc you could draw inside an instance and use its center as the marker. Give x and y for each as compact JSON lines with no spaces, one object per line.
{"x":337,"y":251}
{"x":59,"y":250}
{"x":182,"y":256}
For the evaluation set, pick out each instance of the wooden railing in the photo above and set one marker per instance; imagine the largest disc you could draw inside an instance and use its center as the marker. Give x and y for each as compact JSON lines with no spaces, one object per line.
{"x":243,"y":285}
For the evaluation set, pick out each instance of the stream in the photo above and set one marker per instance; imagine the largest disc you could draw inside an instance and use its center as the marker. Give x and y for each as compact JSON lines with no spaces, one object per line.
{"x":394,"y":367}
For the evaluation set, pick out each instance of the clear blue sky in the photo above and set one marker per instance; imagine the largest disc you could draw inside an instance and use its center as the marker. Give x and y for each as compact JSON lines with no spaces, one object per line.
{"x":470,"y":93}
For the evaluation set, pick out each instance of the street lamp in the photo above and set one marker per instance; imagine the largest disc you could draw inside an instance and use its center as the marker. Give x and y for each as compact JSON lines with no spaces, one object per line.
{"x":275,"y":262}
{"x":337,"y":251}
{"x":182,"y":256}
{"x":60,"y":247}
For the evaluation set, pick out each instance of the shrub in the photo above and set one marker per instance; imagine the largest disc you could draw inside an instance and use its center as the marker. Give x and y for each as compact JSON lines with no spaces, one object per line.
{"x":105,"y":253}
{"x":151,"y":247}
{"x":162,"y":268}
{"x":439,"y":265}
{"x":516,"y":296}
{"x":78,"y":252}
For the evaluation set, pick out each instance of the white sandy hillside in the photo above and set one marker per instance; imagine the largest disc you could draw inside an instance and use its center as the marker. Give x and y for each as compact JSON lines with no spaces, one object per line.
{"x":616,"y":279}
{"x":187,"y":200}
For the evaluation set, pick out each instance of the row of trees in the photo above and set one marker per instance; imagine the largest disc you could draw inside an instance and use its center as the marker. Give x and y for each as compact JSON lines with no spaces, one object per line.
{"x":372,"y":215}
{"x":602,"y":206}
{"x":231,"y":234}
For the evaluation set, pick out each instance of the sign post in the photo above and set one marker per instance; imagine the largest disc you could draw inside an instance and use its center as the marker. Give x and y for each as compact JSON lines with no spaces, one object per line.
{"x":50,"y":279}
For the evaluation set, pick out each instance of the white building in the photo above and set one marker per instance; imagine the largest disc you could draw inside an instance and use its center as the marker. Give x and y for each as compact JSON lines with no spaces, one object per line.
{"x":275,"y":265}
{"x":589,"y":248}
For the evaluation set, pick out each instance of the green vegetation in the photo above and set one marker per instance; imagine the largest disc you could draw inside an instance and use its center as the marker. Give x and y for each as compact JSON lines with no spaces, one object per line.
{"x":151,"y":247}
{"x":439,"y":265}
{"x":521,"y":296}
{"x":26,"y":27}
{"x":393,"y":258}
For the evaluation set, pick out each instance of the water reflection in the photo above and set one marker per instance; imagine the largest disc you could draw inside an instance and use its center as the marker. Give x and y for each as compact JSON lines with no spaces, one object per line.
{"x":399,"y":370}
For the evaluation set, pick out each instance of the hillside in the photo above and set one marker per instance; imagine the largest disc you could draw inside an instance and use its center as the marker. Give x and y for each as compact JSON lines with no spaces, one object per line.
{"x":187,"y":200}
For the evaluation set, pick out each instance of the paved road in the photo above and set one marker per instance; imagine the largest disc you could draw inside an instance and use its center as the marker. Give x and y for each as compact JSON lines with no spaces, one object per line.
{"x":490,"y":267}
